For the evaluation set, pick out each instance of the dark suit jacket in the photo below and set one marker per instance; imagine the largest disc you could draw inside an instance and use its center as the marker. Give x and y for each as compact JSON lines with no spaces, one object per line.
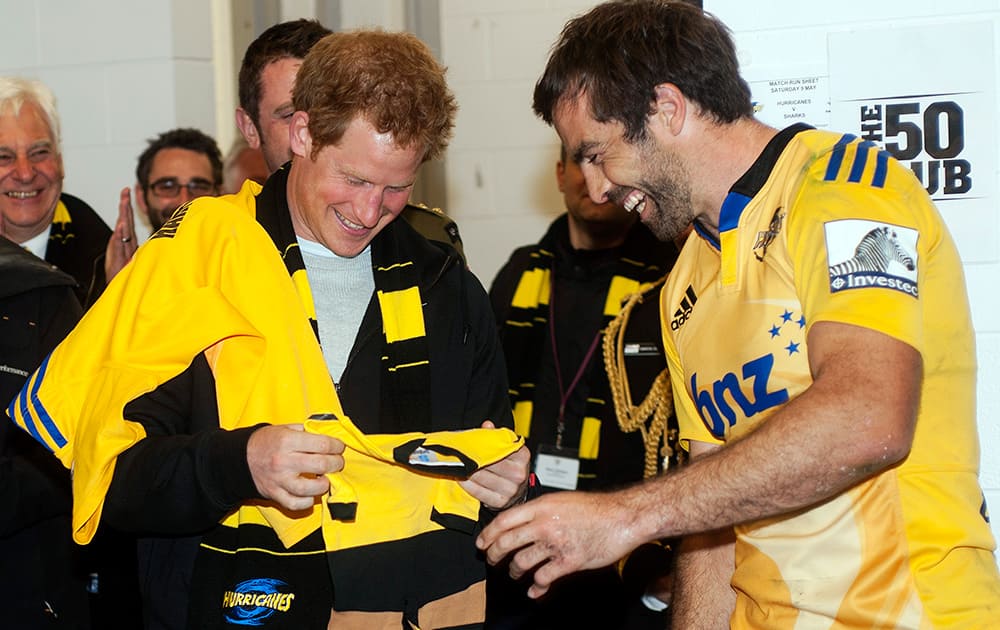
{"x":77,"y":247}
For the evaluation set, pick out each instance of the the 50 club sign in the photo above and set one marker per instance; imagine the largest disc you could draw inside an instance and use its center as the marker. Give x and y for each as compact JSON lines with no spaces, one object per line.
{"x":927,"y":133}
{"x":901,"y":88}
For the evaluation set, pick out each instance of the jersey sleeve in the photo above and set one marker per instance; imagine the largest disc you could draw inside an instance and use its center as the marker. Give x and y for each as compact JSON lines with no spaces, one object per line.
{"x":859,"y":253}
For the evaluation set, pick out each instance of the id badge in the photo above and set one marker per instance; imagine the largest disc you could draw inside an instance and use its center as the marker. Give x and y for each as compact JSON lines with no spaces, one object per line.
{"x":557,"y":467}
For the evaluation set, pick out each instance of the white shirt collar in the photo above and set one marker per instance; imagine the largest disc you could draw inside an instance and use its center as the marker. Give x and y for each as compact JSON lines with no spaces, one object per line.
{"x":37,"y":244}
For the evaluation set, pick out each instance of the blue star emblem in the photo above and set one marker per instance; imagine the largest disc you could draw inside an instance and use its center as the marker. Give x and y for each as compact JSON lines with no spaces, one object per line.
{"x":776,"y":329}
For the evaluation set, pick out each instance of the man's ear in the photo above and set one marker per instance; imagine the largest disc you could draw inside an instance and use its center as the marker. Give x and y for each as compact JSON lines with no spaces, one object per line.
{"x":300,"y":141}
{"x":669,"y":108}
{"x":247,"y":128}
{"x":561,"y":175}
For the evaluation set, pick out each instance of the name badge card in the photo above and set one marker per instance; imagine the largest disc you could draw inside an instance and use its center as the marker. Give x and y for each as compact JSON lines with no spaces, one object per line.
{"x":557,"y":467}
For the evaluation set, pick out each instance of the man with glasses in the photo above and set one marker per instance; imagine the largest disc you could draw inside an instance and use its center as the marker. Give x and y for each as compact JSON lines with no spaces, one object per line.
{"x":178,"y":165}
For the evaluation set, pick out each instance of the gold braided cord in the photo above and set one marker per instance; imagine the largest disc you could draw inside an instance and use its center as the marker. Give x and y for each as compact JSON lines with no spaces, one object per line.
{"x":656,"y":407}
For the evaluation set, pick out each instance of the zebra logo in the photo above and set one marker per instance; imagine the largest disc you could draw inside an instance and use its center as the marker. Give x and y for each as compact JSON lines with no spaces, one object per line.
{"x":871,"y":254}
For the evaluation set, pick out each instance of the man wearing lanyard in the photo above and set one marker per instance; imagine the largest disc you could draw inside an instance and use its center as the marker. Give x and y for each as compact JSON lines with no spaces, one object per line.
{"x":552,"y":301}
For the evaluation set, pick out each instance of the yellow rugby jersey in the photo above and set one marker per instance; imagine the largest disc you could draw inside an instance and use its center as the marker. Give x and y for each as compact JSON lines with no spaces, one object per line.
{"x":826,"y":228}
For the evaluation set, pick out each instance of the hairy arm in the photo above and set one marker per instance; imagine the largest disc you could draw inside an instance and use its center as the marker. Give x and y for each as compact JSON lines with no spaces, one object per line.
{"x":856,"y":420}
{"x":703,"y":597}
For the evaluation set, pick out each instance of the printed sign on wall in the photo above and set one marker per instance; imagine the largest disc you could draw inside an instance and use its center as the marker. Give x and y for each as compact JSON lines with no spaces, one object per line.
{"x":781,"y":102}
{"x":903,"y":89}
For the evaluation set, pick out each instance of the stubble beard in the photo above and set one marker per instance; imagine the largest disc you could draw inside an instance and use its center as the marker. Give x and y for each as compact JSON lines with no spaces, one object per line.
{"x":667,"y":185}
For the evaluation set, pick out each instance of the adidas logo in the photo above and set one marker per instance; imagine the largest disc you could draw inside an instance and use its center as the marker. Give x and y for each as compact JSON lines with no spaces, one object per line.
{"x":684,"y":310}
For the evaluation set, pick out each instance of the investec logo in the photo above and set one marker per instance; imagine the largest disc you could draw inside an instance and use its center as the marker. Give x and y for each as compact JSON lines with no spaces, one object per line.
{"x":863,"y":254}
{"x":253,"y":601}
{"x":684,"y":310}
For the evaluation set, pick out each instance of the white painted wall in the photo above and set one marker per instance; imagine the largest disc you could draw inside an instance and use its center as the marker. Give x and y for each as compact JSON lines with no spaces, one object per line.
{"x":500,"y":180}
{"x":122,"y":71}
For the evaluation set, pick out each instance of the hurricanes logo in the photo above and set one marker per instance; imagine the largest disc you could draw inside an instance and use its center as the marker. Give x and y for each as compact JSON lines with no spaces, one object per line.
{"x":764,"y":238}
{"x":251,"y":602}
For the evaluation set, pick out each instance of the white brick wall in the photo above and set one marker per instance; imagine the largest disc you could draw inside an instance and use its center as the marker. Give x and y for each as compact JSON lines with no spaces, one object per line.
{"x":122,"y":71}
{"x":500,"y":168}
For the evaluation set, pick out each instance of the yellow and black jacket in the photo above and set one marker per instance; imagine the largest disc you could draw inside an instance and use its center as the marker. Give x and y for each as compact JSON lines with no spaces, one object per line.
{"x":204,"y":330}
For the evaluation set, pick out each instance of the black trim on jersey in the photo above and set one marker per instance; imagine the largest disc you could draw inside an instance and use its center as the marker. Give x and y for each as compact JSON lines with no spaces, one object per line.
{"x":750,"y":183}
{"x":421,"y":569}
{"x":756,"y":176}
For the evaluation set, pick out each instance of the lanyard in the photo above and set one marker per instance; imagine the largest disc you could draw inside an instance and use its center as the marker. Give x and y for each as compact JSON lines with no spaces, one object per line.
{"x":564,"y":393}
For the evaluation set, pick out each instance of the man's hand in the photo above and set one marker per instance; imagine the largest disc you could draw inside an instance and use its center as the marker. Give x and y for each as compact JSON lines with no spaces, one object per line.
{"x":502,"y":484}
{"x":121,"y":245}
{"x":558,"y":534}
{"x":288,"y":465}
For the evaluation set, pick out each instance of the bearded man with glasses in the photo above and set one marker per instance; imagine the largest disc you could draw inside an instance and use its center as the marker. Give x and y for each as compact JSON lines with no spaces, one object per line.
{"x":178,"y":165}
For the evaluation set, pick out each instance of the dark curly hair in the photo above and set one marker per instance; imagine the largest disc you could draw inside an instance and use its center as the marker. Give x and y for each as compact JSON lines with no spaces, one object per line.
{"x":183,"y":138}
{"x":286,"y":40}
{"x":618,"y":52}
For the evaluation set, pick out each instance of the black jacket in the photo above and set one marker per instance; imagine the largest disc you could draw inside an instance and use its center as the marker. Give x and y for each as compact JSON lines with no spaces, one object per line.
{"x":582,"y":281}
{"x":599,"y":598}
{"x":42,"y":584}
{"x":77,"y":247}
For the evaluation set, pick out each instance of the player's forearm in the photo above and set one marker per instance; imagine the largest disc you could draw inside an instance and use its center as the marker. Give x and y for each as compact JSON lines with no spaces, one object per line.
{"x":764,"y":475}
{"x":703,"y":597}
{"x":828,"y":439}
